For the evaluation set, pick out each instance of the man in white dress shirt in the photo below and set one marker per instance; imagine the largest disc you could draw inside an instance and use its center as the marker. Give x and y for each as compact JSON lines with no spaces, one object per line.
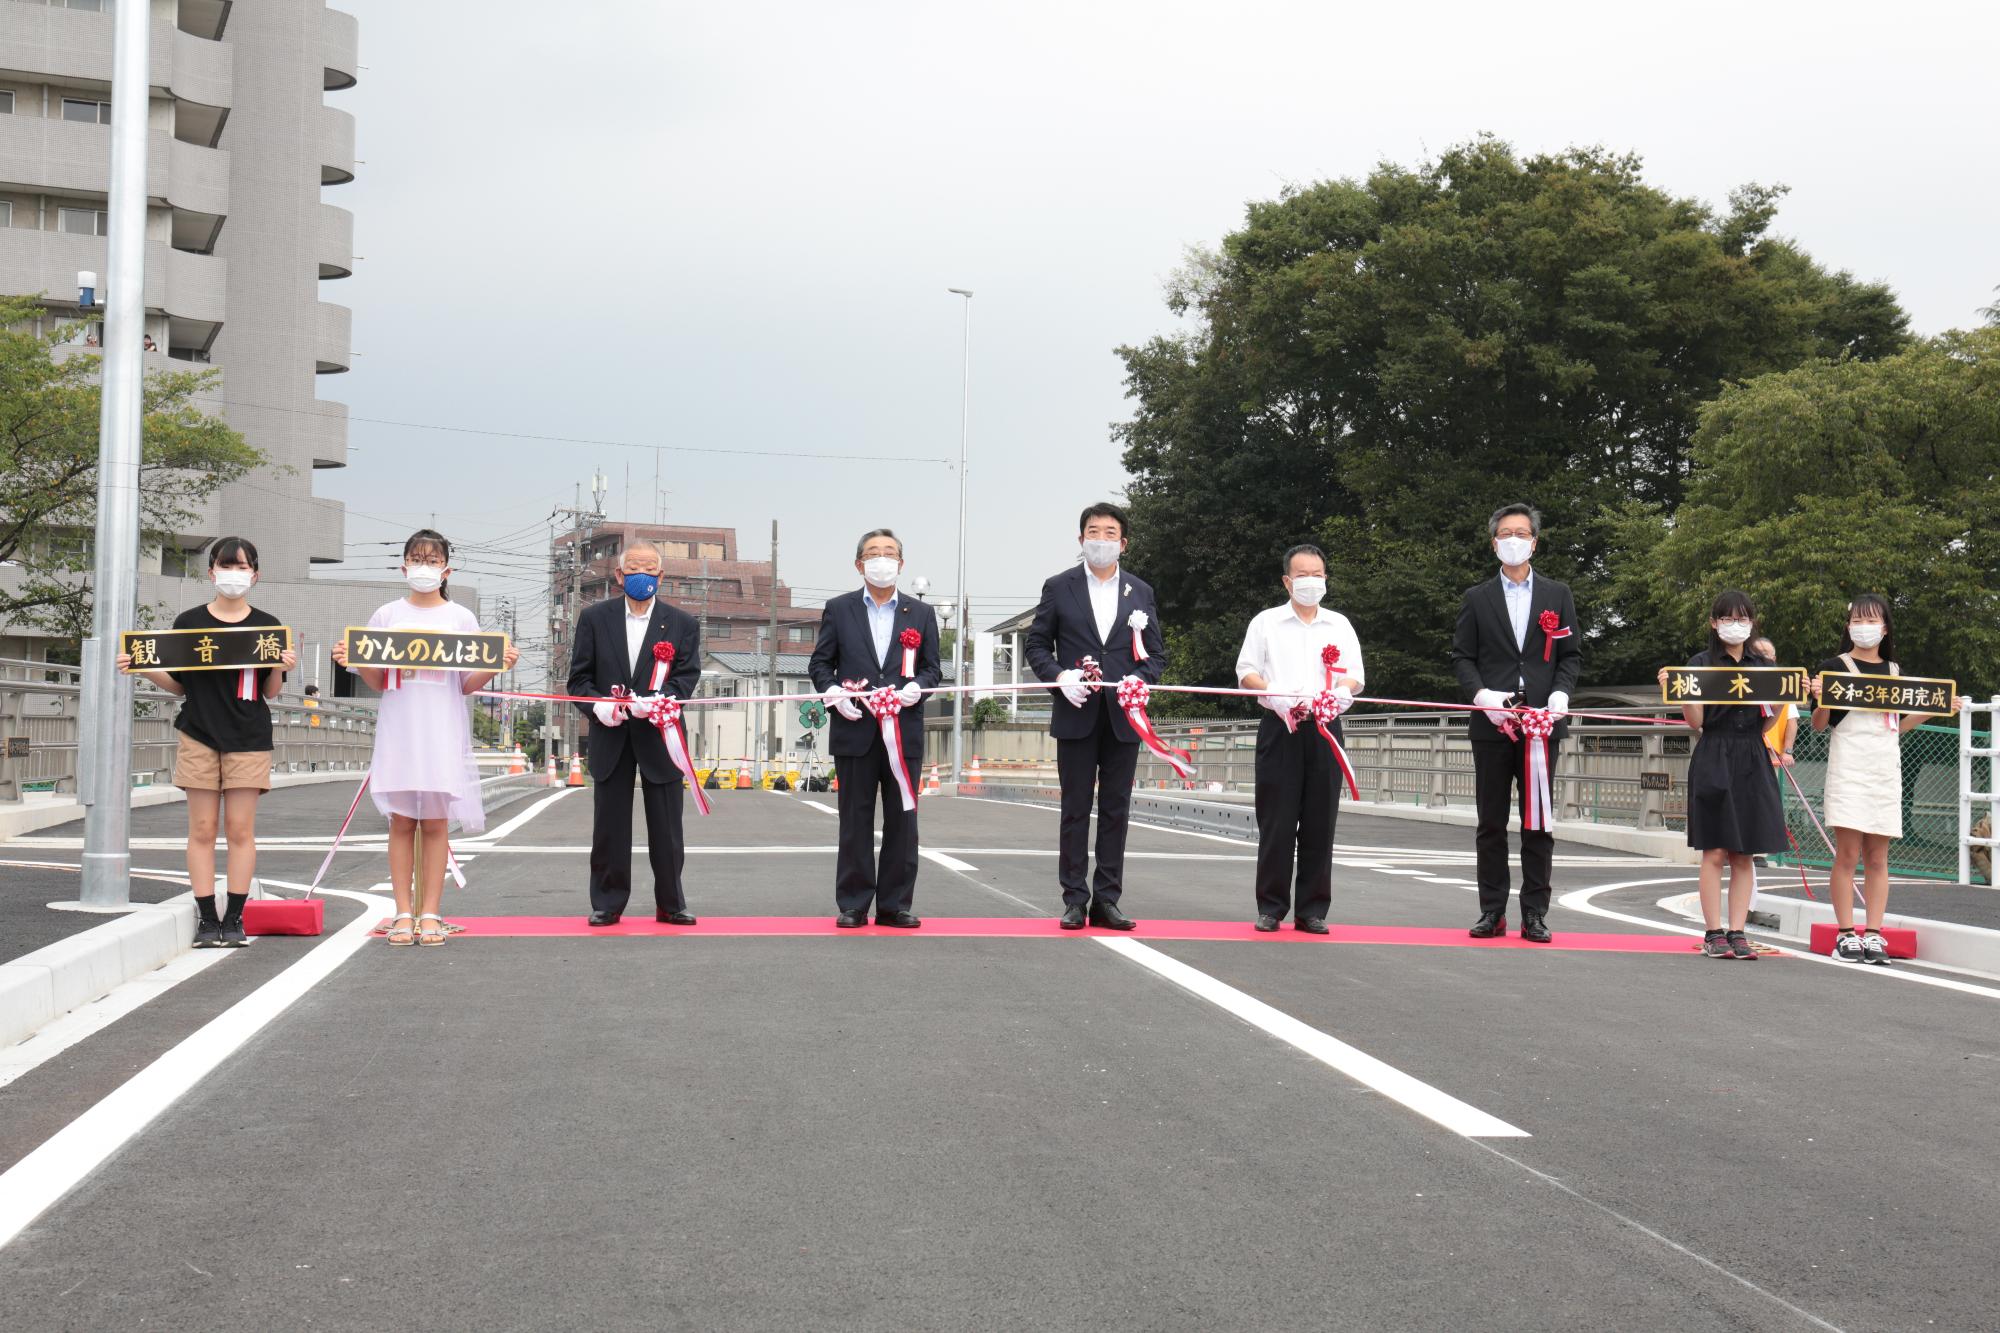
{"x":1298,"y":782}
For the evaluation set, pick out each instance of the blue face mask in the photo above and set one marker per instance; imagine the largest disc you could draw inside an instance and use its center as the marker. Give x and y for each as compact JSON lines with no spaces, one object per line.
{"x":641,"y":587}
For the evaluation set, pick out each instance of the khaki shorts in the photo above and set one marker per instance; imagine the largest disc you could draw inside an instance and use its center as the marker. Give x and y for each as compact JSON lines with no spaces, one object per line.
{"x":198,"y":768}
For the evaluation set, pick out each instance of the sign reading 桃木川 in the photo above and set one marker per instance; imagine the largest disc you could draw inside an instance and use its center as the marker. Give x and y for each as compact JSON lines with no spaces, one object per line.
{"x":1734,"y":685}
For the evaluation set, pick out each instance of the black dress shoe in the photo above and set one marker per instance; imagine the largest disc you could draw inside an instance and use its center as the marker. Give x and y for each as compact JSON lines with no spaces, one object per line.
{"x":1106,"y":916}
{"x":604,"y":918}
{"x":1266,"y":923}
{"x":1489,"y":925}
{"x":1072,"y":917}
{"x":1311,"y":925}
{"x":1534,"y":928}
{"x":900,"y":920}
{"x":674,"y":918}
{"x":851,"y":920}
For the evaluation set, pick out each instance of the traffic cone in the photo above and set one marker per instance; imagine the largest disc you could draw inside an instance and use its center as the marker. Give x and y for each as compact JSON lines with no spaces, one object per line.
{"x":931,"y":780}
{"x":551,"y":776}
{"x":575,"y":771}
{"x":743,"y":782}
{"x":517,"y":763}
{"x":972,"y":773}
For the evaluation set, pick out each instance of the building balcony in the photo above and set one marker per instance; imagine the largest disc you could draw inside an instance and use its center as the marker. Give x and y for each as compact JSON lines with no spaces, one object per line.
{"x":336,"y":146}
{"x":64,"y":157}
{"x":325,"y":530}
{"x":336,"y":242}
{"x":73,"y":46}
{"x":333,"y":329}
{"x":323,"y":434}
{"x":179,"y":284}
{"x":339,"y":44}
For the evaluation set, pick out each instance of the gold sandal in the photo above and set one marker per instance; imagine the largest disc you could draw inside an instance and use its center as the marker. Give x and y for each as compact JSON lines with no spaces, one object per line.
{"x":430,"y":935}
{"x":399,"y":935}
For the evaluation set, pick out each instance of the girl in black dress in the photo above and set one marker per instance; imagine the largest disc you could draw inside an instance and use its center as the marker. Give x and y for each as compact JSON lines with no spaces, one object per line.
{"x":1734,"y":811}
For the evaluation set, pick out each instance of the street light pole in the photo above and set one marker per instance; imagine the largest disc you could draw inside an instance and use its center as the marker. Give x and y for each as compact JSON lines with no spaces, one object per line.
{"x":106,"y":790}
{"x":964,"y":619}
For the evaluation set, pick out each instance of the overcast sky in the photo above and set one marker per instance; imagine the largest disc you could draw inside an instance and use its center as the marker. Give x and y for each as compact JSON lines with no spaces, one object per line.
{"x":731,"y":227}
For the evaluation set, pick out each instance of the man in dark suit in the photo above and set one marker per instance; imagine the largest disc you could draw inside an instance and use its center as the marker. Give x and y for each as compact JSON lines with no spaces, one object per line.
{"x":1095,"y":610}
{"x":1517,"y":644}
{"x":862,"y":639}
{"x":615,"y":646}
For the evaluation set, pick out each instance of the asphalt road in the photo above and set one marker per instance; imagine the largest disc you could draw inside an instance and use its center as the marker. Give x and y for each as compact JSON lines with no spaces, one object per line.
{"x":921,"y":1132}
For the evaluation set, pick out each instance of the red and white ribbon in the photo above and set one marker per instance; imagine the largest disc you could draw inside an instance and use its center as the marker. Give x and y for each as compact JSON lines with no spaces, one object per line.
{"x":665,"y":713}
{"x":392,"y":679}
{"x":1132,"y":696}
{"x":1552,"y":629}
{"x":1536,"y":726}
{"x":911,"y":641}
{"x":246,"y":684}
{"x":663,"y":661}
{"x":1325,"y":709}
{"x":885,"y":704}
{"x":1138,"y":621}
{"x":352,"y":805}
{"x":1090,"y":669}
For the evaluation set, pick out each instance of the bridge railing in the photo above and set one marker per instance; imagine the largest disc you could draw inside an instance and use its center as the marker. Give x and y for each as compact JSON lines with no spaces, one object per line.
{"x":39,"y":708}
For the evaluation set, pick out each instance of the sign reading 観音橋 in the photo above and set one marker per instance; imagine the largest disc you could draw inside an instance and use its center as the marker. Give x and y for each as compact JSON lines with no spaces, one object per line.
{"x":205,"y":649}
{"x":1734,"y":685}
{"x":424,"y":650}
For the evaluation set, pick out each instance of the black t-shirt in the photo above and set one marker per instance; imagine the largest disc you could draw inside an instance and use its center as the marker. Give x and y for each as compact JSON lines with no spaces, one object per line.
{"x":211,"y":712}
{"x":1730,"y":719}
{"x":1836,"y":716}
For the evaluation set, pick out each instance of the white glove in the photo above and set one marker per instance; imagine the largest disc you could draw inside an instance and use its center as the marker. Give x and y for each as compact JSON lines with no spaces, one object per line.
{"x":1281,"y":704}
{"x":911,"y":694}
{"x":1071,"y":684}
{"x":1559,"y":703}
{"x":1490,"y":700}
{"x":1344,"y":697}
{"x":841,"y":700}
{"x":608,"y":714}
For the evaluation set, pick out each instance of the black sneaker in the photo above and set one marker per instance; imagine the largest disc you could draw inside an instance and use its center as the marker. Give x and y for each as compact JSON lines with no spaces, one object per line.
{"x":232,"y":933}
{"x":1739,"y":945}
{"x":1875,"y":949}
{"x":1848,"y":948}
{"x":207,"y":934}
{"x":1713,"y":945}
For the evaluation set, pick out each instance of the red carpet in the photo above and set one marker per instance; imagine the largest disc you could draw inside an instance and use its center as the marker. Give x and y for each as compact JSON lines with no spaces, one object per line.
{"x":1010,"y":927}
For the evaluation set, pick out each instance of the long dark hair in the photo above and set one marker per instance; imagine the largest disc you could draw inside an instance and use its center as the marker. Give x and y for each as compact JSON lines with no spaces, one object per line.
{"x":1730,"y":604}
{"x":1866,"y":602}
{"x":424,"y":541}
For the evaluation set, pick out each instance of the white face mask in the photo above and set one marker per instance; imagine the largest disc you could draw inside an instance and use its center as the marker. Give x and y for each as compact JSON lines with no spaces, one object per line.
{"x":1100,"y":555}
{"x":1865,"y":636}
{"x":1308,"y":591}
{"x":1733,"y":631}
{"x":423,"y":578}
{"x":881,"y":571}
{"x":1514,"y":550}
{"x":234,"y":582}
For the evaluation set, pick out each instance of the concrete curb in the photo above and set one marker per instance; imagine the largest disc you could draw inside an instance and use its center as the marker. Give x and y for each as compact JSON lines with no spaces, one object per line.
{"x":1943,"y":943}
{"x":40,"y":987}
{"x":39,"y":813}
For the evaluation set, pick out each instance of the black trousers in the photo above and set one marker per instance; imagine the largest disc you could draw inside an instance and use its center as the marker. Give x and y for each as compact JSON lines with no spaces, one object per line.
{"x":1496,"y":773}
{"x":1298,"y":803}
{"x":1102,"y":763}
{"x":858,"y":880}
{"x":611,"y":839}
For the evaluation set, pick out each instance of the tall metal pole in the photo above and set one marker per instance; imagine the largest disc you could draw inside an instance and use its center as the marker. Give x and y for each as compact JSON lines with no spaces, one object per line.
{"x":107,"y":696}
{"x":770,"y":745}
{"x":964,"y":616}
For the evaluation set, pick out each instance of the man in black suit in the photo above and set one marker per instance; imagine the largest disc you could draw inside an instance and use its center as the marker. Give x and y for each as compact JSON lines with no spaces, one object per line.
{"x":1516,"y":644}
{"x":1095,"y":610}
{"x":862,"y":639}
{"x":615,"y":646}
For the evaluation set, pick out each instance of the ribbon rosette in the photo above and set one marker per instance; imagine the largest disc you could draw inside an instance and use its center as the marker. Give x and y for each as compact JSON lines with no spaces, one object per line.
{"x":1325,"y":708}
{"x":1138,"y":620}
{"x":246,"y":684}
{"x":911,"y":641}
{"x":1552,"y":629}
{"x":665,"y":713}
{"x":1090,"y":669}
{"x":1329,"y":658}
{"x":885,"y":704}
{"x":663,"y":661}
{"x":1537,"y":725}
{"x":1133,"y":694}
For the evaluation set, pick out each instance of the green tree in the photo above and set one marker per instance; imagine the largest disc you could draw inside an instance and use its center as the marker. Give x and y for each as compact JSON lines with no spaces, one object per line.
{"x":1837,"y":478}
{"x":1379,"y":364}
{"x":48,"y":467}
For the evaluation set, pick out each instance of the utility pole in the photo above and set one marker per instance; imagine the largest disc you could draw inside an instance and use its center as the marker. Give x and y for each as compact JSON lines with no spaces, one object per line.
{"x":105,"y":699}
{"x":770,"y":746}
{"x":583,"y":525}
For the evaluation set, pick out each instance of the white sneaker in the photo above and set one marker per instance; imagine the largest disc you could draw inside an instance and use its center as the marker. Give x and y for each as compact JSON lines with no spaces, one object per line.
{"x":1875,"y":949}
{"x":1849,"y":948}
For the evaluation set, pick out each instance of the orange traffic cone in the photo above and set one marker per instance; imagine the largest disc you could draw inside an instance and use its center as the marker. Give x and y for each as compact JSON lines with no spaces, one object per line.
{"x":743,"y":782}
{"x":575,"y":771}
{"x":972,"y":773}
{"x":931,"y":780}
{"x":551,"y":776}
{"x":517,"y":763}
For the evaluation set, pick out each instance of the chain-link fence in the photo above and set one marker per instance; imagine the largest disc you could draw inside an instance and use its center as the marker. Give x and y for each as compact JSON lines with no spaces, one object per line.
{"x":1928,"y":848}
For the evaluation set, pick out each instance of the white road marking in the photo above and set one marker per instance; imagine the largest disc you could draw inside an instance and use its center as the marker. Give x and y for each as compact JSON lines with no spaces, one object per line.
{"x":494,"y":835}
{"x":58,"y":1035}
{"x":948,"y":862}
{"x":1391,"y":870}
{"x":1431,"y":1103}
{"x":31,"y":1185}
{"x":821,"y":806}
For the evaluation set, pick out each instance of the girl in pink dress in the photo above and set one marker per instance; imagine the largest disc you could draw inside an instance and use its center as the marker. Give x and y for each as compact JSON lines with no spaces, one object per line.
{"x":423,"y":772}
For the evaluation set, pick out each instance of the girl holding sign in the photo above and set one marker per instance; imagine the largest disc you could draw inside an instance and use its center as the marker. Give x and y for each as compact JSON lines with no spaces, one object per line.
{"x":1864,"y":782}
{"x":1733,"y":809}
{"x":223,"y":757}
{"x":423,"y":774}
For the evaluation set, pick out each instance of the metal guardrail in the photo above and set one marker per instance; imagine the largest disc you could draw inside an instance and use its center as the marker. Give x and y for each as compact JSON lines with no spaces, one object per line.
{"x":1976,"y":766}
{"x":40,"y":706}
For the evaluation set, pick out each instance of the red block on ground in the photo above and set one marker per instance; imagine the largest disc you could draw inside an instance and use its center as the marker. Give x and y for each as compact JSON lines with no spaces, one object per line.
{"x":1902,"y":940}
{"x":284,"y":916}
